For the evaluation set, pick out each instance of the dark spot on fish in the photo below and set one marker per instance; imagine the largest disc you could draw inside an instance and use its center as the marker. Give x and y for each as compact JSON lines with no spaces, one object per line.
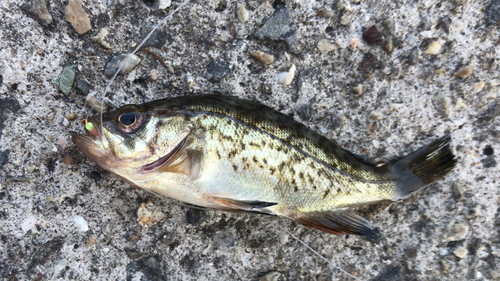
{"x":261,"y":166}
{"x":242,"y":146}
{"x":326,"y":193}
{"x":254,"y":159}
{"x":295,"y":188}
{"x":244,"y":159}
{"x":212,"y":128}
{"x":310,"y":179}
{"x":218,"y":154}
{"x":225,"y":137}
{"x":314,"y":187}
{"x":235,"y":168}
{"x":278,"y":148}
{"x":187,"y":118}
{"x":264,"y":160}
{"x":281,"y":166}
{"x":231,"y":154}
{"x":272,"y":170}
{"x":294,"y":182}
{"x":254,"y":144}
{"x":301,"y":175}
{"x":263,"y":143}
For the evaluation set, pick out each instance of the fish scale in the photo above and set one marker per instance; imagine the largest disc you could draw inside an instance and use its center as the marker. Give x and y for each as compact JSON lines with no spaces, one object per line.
{"x":330,"y":188}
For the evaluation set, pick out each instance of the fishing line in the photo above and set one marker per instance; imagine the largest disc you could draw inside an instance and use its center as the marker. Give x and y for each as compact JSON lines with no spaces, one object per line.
{"x":102,"y":96}
{"x":315,"y":252}
{"x":120,"y":66}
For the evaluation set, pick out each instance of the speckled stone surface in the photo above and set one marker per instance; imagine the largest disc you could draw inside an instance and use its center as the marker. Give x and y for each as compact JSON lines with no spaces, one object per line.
{"x":407,"y":99}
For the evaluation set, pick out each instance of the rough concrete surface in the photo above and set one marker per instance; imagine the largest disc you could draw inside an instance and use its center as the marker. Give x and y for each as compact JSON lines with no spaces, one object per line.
{"x":64,"y":218}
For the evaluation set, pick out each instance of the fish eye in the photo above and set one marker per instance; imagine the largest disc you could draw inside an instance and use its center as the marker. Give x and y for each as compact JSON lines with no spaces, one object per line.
{"x":127,"y":118}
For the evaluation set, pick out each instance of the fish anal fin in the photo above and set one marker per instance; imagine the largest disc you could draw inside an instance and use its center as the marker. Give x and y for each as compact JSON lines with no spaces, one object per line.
{"x":242,"y":205}
{"x":339,"y":223}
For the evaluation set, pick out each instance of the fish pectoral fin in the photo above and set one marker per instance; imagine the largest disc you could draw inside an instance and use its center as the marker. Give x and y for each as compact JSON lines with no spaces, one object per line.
{"x":339,"y":223}
{"x":242,"y":205}
{"x":190,"y":165}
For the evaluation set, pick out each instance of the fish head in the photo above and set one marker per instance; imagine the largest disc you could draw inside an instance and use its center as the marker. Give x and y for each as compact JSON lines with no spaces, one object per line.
{"x":134,"y":141}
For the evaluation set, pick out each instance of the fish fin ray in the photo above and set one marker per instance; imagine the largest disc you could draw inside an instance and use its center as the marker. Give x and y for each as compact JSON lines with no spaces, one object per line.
{"x":422,"y":167}
{"x":339,"y":223}
{"x":244,"y":205}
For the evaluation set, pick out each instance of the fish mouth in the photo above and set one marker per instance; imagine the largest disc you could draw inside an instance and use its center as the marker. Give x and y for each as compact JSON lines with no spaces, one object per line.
{"x":91,"y":142}
{"x":95,"y":132}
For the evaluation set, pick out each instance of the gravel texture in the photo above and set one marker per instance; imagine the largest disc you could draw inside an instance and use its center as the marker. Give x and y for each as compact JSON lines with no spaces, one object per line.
{"x":379,"y":100}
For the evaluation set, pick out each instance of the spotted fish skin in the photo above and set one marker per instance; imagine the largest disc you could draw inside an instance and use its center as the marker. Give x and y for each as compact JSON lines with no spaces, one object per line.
{"x":232,"y":154}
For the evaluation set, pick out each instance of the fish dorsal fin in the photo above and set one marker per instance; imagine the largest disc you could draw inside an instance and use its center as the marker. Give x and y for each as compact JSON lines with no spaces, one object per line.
{"x":339,"y":223}
{"x":242,"y":205}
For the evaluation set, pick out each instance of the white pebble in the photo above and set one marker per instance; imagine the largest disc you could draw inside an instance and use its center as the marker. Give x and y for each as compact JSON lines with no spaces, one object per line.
{"x":60,"y":265}
{"x":376,"y":115}
{"x":283,"y":237}
{"x":343,"y":5}
{"x":479,"y":87}
{"x":443,"y":252}
{"x":493,"y":83}
{"x":149,"y":214}
{"x":163,"y":4}
{"x":242,"y":13}
{"x":263,"y":57}
{"x":65,"y":122}
{"x":358,"y":90}
{"x":80,"y":223}
{"x":459,"y":104}
{"x":105,"y":250}
{"x":460,"y":252}
{"x":457,"y":232}
{"x":286,"y":78}
{"x":346,"y":19}
{"x":340,"y":43}
{"x":325,"y":46}
{"x":28,"y":224}
{"x":354,"y":43}
{"x":154,"y":74}
{"x":101,"y":38}
{"x":434,"y":47}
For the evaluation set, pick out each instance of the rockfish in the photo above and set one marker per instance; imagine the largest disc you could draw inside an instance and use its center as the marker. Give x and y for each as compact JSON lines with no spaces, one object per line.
{"x":231,"y":154}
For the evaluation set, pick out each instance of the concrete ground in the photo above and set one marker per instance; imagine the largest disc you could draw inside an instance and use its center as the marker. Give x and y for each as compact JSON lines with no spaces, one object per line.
{"x":430,"y":69}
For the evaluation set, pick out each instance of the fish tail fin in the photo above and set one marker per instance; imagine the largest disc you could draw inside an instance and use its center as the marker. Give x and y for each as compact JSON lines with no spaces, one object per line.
{"x":423,"y":167}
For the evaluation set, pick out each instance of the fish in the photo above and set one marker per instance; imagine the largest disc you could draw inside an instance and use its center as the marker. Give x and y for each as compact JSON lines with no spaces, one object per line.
{"x":232,"y":154}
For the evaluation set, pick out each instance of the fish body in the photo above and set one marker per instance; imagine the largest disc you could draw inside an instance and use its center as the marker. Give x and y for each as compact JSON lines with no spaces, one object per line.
{"x":231,"y":154}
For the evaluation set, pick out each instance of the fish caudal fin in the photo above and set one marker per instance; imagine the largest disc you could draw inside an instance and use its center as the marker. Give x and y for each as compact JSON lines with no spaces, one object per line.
{"x":422,"y":167}
{"x":340,"y":223}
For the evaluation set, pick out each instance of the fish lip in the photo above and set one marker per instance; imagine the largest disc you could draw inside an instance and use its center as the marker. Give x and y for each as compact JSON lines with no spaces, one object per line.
{"x":90,"y":144}
{"x":97,"y":126}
